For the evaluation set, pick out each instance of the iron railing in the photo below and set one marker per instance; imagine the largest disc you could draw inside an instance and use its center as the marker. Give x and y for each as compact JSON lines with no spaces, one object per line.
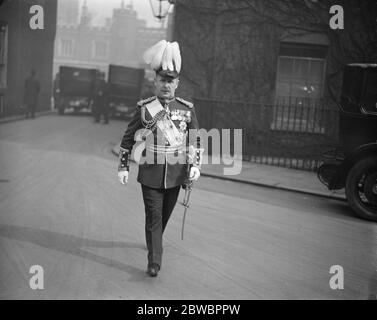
{"x":291,"y":133}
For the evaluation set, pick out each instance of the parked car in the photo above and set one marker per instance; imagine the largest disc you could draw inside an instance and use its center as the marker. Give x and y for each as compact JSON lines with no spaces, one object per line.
{"x":355,"y":166}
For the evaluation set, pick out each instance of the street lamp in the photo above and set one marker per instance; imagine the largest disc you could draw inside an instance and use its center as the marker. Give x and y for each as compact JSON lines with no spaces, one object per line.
{"x":160,"y":8}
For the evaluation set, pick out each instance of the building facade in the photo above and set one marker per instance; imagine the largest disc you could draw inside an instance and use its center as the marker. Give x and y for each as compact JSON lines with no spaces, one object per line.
{"x":22,"y":49}
{"x":68,"y":12}
{"x":263,"y":49}
{"x":273,"y":69}
{"x":121,"y":41}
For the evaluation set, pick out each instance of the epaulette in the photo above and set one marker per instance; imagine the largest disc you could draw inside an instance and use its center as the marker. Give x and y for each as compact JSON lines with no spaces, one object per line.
{"x":145,"y":101}
{"x":186,"y":103}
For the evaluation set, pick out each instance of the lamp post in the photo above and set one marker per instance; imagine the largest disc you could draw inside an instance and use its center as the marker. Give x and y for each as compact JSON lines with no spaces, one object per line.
{"x":160,"y":8}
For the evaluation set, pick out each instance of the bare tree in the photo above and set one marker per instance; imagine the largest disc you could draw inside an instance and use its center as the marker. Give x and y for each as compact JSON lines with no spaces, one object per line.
{"x":220,"y":26}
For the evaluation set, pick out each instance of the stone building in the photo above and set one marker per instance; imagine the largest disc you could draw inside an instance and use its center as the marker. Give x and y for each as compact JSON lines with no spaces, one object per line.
{"x":122,"y":40}
{"x":68,"y":12}
{"x":22,"y":49}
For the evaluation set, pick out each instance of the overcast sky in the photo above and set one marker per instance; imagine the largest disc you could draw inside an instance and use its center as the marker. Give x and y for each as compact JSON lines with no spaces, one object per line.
{"x":102,"y":9}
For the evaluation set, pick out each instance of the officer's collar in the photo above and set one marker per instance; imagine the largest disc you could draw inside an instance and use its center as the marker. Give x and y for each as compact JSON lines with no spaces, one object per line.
{"x":165,"y":101}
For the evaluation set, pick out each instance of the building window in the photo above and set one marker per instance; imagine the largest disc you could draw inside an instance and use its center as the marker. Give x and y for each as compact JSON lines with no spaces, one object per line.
{"x":299,"y":87}
{"x":3,"y":54}
{"x":300,"y":77}
{"x":100,"y":50}
{"x":66,"y":47}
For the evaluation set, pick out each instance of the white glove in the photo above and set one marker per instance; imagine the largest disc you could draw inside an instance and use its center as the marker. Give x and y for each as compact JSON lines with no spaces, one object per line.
{"x":194,"y":173}
{"x":123,"y":177}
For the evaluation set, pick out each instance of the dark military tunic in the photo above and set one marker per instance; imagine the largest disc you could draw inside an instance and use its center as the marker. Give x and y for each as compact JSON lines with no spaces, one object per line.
{"x":163,"y":174}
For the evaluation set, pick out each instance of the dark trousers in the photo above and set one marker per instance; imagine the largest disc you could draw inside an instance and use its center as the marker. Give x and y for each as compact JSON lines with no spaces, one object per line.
{"x":97,"y":116}
{"x":159,"y":204}
{"x":99,"y":109}
{"x":30,"y":109}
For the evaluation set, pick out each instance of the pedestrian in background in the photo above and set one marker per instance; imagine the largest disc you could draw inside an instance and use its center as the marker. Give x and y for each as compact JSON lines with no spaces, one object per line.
{"x":32,"y":88}
{"x":100,"y":100}
{"x":56,"y":88}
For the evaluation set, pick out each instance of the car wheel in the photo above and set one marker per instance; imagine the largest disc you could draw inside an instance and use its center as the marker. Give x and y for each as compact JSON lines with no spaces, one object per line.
{"x":361,"y":188}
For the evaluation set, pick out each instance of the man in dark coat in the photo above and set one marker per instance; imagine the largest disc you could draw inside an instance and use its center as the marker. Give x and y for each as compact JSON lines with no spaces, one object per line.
{"x":163,"y":122}
{"x":32,"y":88}
{"x":100,"y":100}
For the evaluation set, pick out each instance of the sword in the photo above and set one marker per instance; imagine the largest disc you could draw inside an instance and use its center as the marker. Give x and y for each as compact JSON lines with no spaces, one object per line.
{"x":187,"y":186}
{"x":185,"y":203}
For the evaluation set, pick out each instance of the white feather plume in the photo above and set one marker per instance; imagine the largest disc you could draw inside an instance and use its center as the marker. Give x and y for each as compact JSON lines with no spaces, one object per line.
{"x":151,"y":53}
{"x":164,"y":54}
{"x":157,"y":59}
{"x":164,"y":60}
{"x":176,"y":56}
{"x":169,"y":56}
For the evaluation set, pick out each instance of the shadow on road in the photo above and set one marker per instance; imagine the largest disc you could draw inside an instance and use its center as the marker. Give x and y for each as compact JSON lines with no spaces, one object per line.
{"x":73,"y":245}
{"x":342,"y":210}
{"x":373,"y":287}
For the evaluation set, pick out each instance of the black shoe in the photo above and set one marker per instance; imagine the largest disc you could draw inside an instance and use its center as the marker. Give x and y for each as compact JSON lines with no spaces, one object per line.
{"x":153,"y":269}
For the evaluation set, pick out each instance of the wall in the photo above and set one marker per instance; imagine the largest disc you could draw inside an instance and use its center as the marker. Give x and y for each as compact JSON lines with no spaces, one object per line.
{"x":230,"y":48}
{"x":222,"y":57}
{"x":28,"y":49}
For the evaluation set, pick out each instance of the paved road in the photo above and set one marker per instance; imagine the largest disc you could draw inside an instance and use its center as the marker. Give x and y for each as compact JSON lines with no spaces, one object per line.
{"x":63,"y":209}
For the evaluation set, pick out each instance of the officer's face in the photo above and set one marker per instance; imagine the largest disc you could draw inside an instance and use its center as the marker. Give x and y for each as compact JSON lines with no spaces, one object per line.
{"x":165,"y":87}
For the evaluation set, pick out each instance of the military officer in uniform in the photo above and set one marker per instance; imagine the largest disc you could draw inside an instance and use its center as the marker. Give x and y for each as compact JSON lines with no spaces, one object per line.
{"x":168,"y":120}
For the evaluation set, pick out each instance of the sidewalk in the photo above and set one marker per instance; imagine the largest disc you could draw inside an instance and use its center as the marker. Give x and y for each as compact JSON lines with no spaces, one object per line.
{"x":22,"y":116}
{"x":300,"y":181}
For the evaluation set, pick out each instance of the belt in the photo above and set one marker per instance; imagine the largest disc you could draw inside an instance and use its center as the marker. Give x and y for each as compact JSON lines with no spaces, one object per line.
{"x":165,"y":149}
